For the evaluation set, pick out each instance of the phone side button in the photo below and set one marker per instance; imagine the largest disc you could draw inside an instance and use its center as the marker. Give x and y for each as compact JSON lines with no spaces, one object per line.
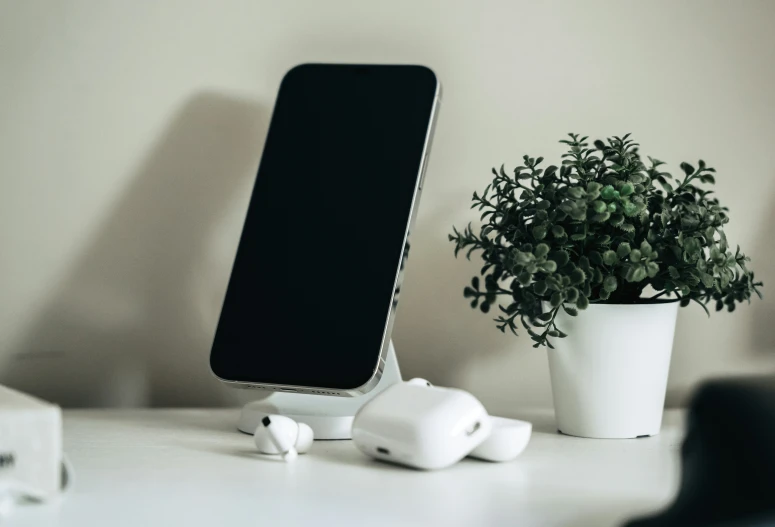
{"x":424,"y":171}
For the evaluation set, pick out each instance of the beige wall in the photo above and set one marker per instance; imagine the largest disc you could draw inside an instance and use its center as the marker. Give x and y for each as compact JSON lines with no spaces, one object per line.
{"x":130,"y":133}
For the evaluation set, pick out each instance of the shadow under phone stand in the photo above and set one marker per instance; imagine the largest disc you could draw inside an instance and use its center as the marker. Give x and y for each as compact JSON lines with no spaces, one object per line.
{"x":330,"y":417}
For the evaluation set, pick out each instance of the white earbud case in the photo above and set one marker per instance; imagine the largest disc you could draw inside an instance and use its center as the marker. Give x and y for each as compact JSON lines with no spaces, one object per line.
{"x":420,"y":426}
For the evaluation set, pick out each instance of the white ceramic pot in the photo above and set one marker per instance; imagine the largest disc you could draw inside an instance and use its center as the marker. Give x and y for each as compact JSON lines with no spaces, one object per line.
{"x":609,"y":375}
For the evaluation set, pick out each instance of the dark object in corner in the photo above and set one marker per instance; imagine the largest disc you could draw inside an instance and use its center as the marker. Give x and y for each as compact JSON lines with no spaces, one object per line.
{"x":727,"y":458}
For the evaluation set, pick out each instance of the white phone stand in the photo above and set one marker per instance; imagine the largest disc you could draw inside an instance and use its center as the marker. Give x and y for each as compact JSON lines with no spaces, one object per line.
{"x":330,"y":417}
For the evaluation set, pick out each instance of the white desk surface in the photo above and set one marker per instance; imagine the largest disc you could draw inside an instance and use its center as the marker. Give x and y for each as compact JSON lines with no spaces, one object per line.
{"x":192,"y":468}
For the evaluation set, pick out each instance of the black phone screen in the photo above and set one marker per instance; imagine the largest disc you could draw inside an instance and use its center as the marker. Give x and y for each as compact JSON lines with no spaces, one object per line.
{"x":311,"y":288}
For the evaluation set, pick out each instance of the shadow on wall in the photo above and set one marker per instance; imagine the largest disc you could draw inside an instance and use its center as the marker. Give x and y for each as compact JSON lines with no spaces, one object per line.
{"x":763,"y":264}
{"x":132,"y":323}
{"x":439,"y":337}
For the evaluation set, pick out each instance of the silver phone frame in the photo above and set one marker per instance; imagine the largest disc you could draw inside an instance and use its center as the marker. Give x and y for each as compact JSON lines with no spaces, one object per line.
{"x":388,"y":329}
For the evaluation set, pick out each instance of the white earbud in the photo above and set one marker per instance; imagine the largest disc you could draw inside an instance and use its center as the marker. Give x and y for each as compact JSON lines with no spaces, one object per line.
{"x":419,"y":382}
{"x":282,"y":435}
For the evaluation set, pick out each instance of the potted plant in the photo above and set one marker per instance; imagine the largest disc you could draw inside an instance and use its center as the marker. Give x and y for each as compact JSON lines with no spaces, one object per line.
{"x":616,"y":237}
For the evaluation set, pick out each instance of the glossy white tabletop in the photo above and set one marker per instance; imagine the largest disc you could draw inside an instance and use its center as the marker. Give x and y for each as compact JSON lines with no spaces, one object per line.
{"x":192,"y":468}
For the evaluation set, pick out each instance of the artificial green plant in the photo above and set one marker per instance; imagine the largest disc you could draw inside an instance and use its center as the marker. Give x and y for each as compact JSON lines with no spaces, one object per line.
{"x":600,"y":228}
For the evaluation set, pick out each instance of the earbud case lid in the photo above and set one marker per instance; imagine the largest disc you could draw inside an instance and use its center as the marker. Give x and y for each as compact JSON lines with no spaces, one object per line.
{"x":508,"y":439}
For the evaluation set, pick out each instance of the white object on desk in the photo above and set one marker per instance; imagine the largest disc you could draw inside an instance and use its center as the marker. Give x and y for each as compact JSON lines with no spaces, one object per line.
{"x":509,"y":437}
{"x":610,"y":375}
{"x":330,"y":417}
{"x":30,"y":446}
{"x":421,"y":426}
{"x":190,"y":467}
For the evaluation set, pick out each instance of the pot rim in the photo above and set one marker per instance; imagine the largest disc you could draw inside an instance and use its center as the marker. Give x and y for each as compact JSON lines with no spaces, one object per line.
{"x":639,"y":302}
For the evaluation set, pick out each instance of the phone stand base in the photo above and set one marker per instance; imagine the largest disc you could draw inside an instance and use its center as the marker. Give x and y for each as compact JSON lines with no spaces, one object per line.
{"x":329,"y":417}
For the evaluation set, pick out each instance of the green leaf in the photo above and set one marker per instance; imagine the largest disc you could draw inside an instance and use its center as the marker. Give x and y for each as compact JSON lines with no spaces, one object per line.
{"x":645,"y":248}
{"x":626,"y":189}
{"x":541,"y":250}
{"x":599,"y":206}
{"x":558,"y":231}
{"x":616,"y":219}
{"x":522,"y":257}
{"x":687,"y":168}
{"x":610,"y":284}
{"x":652,"y":269}
{"x":691,"y":244}
{"x":595,"y":258}
{"x":610,"y":257}
{"x":608,"y":193}
{"x":540,"y":287}
{"x":717,"y":256}
{"x":556,"y":299}
{"x":577,"y":276}
{"x":485,"y":307}
{"x":475,"y":282}
{"x":490,"y":284}
{"x":546,"y":317}
{"x":578,"y":237}
{"x":674,"y":274}
{"x":539,"y":232}
{"x":635,"y":255}
{"x":468,"y":292}
{"x":572,"y":311}
{"x":639,"y":273}
{"x":623,"y":249}
{"x":708,"y":178}
{"x":561,"y":257}
{"x":583,"y":302}
{"x":571,"y":294}
{"x":524,"y":277}
{"x":549,"y":266}
{"x":553,"y":283}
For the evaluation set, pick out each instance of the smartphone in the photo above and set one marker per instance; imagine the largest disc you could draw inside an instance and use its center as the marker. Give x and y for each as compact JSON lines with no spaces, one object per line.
{"x":310,"y":303}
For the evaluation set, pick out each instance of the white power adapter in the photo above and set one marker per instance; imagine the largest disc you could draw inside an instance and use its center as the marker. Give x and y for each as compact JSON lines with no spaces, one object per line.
{"x":30,"y":447}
